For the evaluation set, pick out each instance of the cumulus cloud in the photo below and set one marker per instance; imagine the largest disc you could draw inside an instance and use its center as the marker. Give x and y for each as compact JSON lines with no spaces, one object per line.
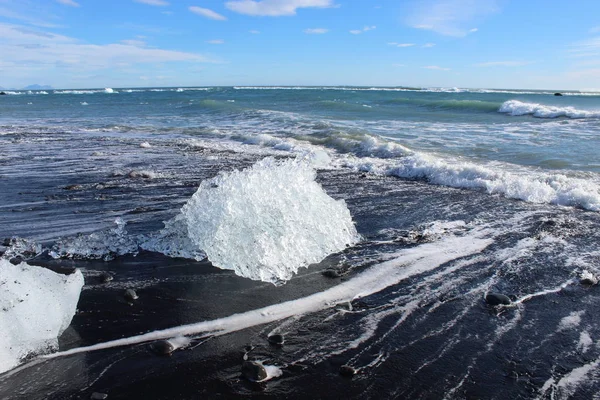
{"x":449,"y":17}
{"x":153,"y":2}
{"x":436,"y":68}
{"x":69,"y":3}
{"x":316,"y":31}
{"x":364,"y":29}
{"x":205,"y":12}
{"x":275,"y":8}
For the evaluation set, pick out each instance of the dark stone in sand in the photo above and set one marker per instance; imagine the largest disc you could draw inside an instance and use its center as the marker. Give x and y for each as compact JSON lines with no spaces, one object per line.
{"x":331,"y":273}
{"x":588,"y":281}
{"x":254,"y":371}
{"x":495,"y":299}
{"x":348,"y":371}
{"x":105,"y":277}
{"x":73,"y":187}
{"x":98,"y":396}
{"x":276,"y":339}
{"x":162,"y":347}
{"x":558,"y":94}
{"x":130,"y":295}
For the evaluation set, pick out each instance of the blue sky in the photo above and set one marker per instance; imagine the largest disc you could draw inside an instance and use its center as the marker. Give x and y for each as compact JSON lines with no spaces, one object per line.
{"x":443,"y":43}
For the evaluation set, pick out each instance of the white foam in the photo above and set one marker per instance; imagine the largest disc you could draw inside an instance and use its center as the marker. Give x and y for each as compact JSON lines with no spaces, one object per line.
{"x":585,"y":342}
{"x":523,"y":184}
{"x":406,"y":263}
{"x":517,"y":108}
{"x":267,"y":221}
{"x":566,"y":386}
{"x":145,"y":145}
{"x":570,"y":321}
{"x":36,"y":306}
{"x":110,"y":90}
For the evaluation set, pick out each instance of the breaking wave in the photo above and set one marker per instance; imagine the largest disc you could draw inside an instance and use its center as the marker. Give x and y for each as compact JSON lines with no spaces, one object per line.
{"x":518,"y":108}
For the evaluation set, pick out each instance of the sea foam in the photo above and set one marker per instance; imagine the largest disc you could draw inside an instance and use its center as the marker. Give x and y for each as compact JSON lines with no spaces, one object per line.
{"x":36,"y":306}
{"x":522,"y":184}
{"x":267,"y":221}
{"x":517,"y":108}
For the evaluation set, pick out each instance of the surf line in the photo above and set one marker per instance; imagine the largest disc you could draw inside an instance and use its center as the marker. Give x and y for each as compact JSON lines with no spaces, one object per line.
{"x":406,"y":263}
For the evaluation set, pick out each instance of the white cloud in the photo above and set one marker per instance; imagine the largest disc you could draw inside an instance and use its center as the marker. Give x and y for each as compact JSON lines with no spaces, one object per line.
{"x":275,"y":8}
{"x":316,"y":31}
{"x":254,"y":32}
{"x":436,"y":68}
{"x":365,"y":29}
{"x":473,"y":30}
{"x":449,"y":17}
{"x":399,"y":65}
{"x":586,"y":48}
{"x":64,"y":55}
{"x":595,"y":29}
{"x":401,"y":44}
{"x":215,"y":41}
{"x":426,"y":45}
{"x":205,"y":12}
{"x":7,"y":10}
{"x":133,"y":42}
{"x":503,"y":64}
{"x":153,"y":2}
{"x":69,"y":3}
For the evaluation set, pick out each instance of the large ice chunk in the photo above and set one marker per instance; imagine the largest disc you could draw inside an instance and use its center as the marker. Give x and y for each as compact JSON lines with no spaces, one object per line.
{"x":36,"y":306}
{"x":267,"y":221}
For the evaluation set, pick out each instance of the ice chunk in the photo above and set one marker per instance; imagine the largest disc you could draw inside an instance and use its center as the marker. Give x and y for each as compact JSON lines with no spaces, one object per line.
{"x":267,"y":221}
{"x":173,"y":241}
{"x":21,"y":248}
{"x":104,"y":245}
{"x":36,"y":306}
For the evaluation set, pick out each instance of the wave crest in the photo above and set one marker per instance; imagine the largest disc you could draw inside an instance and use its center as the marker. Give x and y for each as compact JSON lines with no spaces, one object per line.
{"x":518,"y":108}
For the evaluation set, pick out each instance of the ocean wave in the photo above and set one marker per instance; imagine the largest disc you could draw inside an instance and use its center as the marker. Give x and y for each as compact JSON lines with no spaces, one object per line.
{"x":518,"y":183}
{"x":518,"y":108}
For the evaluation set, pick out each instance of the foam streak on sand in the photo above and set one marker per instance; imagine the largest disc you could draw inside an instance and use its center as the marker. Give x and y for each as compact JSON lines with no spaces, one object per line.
{"x":407,"y":263}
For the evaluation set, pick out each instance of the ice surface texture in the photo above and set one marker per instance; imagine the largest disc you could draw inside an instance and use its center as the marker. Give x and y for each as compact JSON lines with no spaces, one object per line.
{"x":36,"y":306}
{"x":267,"y":221}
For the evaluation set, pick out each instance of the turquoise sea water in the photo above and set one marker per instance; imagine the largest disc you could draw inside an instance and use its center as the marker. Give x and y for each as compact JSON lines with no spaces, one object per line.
{"x":511,"y":142}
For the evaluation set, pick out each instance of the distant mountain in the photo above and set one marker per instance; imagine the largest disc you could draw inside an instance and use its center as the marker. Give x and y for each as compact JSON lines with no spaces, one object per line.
{"x":38,"y":87}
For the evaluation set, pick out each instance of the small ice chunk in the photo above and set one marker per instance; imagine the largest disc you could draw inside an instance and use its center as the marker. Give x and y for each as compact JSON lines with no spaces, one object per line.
{"x":21,"y":248}
{"x":36,"y":306}
{"x":104,"y":245}
{"x":145,"y":145}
